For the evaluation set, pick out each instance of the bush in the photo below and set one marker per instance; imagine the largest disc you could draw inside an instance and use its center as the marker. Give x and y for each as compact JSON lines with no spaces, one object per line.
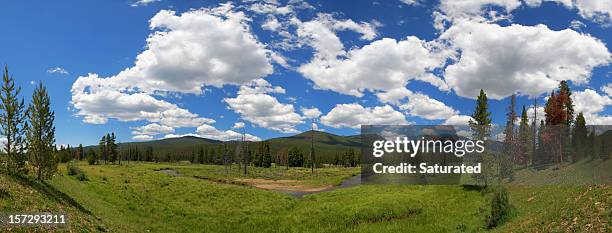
{"x":72,"y":169}
{"x":82,"y":177}
{"x":500,"y":208}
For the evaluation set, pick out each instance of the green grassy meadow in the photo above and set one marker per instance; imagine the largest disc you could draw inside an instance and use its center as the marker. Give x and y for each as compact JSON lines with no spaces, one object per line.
{"x":139,"y":197}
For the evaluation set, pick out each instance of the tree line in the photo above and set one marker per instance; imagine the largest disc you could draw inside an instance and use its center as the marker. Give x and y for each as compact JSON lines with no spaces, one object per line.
{"x":558,"y":138}
{"x":29,"y":131}
{"x":256,"y":154}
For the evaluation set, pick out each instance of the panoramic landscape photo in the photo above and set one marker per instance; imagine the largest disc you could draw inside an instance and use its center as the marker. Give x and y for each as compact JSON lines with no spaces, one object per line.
{"x":306,"y":116}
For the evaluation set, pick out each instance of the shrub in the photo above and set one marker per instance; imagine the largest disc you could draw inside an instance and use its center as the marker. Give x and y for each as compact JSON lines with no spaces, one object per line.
{"x":82,"y":177}
{"x":72,"y":169}
{"x":4,"y":194}
{"x":500,"y":208}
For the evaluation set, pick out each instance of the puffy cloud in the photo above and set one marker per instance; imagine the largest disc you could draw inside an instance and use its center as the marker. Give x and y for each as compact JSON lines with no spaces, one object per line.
{"x":540,"y":114}
{"x":238,"y":125}
{"x":383,"y":65}
{"x":425,"y":107}
{"x":209,"y":46}
{"x":271,"y":24}
{"x":271,"y":8}
{"x":596,"y":10}
{"x":450,"y":11}
{"x":208,"y":131}
{"x":458,"y":120}
{"x":526,"y":59}
{"x":199,"y":47}
{"x":57,"y":70}
{"x":255,"y":105}
{"x":418,"y":104}
{"x":354,"y":115}
{"x":142,"y":137}
{"x":97,"y":102}
{"x":178,"y":117}
{"x":259,"y":86}
{"x":591,"y":104}
{"x":320,"y":33}
{"x":469,"y":8}
{"x":152,"y":129}
{"x":311,"y":113}
{"x":607,"y":89}
{"x":577,"y":25}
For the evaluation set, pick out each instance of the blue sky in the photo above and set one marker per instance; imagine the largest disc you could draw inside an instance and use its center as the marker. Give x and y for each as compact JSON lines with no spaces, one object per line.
{"x":200,"y":67}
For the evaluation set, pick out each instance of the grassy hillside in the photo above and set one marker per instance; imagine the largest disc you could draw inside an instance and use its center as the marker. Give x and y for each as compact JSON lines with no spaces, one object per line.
{"x":125,"y":196}
{"x":18,"y":195}
{"x":141,"y":197}
{"x":137,"y":198}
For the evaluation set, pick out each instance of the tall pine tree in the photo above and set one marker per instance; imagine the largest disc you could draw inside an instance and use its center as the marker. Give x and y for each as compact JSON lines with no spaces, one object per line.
{"x":579,"y":137}
{"x":481,"y":118}
{"x":12,"y":124}
{"x":481,"y":126}
{"x":525,"y":140}
{"x":103,"y":149}
{"x":506,"y":162}
{"x":566,"y":102}
{"x":40,"y":133}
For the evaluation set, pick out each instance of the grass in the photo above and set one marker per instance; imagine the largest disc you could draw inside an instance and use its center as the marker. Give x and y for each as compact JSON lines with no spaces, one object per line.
{"x":560,"y":209}
{"x":139,"y":198}
{"x":19,"y":195}
{"x":322,"y":176}
{"x":136,"y":198}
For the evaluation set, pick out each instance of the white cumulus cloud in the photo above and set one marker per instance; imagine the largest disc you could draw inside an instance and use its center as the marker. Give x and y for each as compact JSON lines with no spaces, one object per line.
{"x":529,"y":60}
{"x":311,"y":113}
{"x":254,"y":104}
{"x":354,"y":115}
{"x":208,"y":131}
{"x":592,"y":104}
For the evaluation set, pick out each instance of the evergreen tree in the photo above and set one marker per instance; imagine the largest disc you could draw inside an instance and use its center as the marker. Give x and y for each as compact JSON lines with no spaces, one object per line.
{"x":567,"y":103}
{"x":579,"y":137}
{"x":525,"y":140}
{"x":149,"y":154}
{"x":296,"y":158}
{"x":481,"y":126}
{"x":92,"y":158}
{"x":481,"y":118}
{"x":40,"y":133}
{"x":102,"y":148}
{"x":111,"y":144}
{"x":557,"y":119}
{"x":107,"y":144}
{"x":506,"y":169}
{"x":80,"y":152}
{"x":12,"y":124}
{"x":267,"y":156}
{"x":202,"y":156}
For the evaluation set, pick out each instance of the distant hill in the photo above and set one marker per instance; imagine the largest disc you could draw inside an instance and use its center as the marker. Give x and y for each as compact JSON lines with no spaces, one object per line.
{"x":326,"y":144}
{"x":185,"y":144}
